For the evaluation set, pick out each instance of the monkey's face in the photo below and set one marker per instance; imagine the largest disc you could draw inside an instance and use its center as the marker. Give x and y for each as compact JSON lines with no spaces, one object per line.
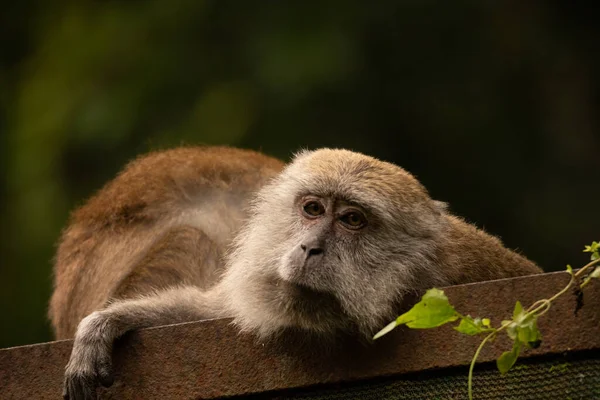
{"x":336,"y":240}
{"x":326,"y":226}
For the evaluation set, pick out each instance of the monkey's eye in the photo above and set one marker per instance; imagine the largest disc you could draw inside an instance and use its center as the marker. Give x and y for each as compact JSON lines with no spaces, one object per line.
{"x":353,"y":220}
{"x":313,"y":208}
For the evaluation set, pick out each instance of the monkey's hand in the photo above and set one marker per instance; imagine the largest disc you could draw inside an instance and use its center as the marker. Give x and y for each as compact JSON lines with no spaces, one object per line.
{"x":91,"y":359}
{"x":90,"y":364}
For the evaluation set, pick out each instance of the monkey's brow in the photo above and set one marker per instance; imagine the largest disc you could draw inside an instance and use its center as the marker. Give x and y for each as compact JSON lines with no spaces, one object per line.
{"x":371,"y":205}
{"x":349,"y":199}
{"x":368,"y":207}
{"x":352,"y":202}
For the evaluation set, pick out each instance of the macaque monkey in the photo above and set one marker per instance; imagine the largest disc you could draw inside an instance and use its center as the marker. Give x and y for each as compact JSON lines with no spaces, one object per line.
{"x":330,"y":243}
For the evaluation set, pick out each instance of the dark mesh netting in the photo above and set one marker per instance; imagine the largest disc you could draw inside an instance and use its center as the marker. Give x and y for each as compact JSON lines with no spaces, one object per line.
{"x":542,"y":380}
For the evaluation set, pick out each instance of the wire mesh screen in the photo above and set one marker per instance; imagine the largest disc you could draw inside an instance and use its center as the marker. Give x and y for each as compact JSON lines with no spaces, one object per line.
{"x":541,"y":380}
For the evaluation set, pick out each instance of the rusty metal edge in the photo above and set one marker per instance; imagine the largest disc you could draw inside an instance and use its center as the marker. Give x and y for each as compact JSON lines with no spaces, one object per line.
{"x":210,"y":359}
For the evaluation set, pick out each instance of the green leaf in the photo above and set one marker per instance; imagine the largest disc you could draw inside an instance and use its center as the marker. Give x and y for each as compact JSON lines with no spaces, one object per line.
{"x":432,"y":311}
{"x":468,"y":326}
{"x":518,"y":311}
{"x":388,"y":328}
{"x":508,"y":358}
{"x":594,"y":248}
{"x":473,"y":326}
{"x":511,"y":329}
{"x":528,"y":332}
{"x":569,"y":269}
{"x":523,"y":328}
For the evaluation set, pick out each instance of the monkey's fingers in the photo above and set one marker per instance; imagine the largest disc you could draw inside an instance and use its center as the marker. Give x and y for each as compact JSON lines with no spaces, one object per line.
{"x":89,"y":367}
{"x":79,"y":387}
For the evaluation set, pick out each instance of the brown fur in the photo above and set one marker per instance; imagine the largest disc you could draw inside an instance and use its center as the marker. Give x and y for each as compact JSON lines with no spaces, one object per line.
{"x":470,"y":255}
{"x":114,"y":244}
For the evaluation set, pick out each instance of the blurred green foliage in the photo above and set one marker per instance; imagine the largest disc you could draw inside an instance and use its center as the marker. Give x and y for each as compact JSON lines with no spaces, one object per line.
{"x":493,"y":106}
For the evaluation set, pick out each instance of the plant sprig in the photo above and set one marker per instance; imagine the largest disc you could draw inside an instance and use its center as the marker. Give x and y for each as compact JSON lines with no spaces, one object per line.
{"x":435,"y":310}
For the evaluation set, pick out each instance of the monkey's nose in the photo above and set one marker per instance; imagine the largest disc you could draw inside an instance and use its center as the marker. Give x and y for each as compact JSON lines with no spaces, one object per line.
{"x":312,"y":248}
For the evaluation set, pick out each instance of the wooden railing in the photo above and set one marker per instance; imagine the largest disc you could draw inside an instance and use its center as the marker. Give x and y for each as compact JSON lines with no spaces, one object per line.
{"x":211,"y":359}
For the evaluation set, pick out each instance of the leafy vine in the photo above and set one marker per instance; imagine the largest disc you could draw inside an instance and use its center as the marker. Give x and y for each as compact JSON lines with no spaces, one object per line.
{"x":435,"y":310}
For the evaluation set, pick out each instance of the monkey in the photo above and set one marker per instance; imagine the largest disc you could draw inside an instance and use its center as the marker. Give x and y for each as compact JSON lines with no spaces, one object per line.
{"x":332,"y":241}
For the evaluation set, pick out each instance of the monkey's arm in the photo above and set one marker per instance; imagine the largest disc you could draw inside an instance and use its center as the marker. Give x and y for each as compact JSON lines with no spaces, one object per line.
{"x":91,"y":359}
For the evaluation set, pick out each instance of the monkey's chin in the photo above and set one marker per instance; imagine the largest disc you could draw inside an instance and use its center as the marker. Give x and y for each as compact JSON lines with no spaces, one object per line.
{"x":300,"y":277}
{"x":310,"y":308}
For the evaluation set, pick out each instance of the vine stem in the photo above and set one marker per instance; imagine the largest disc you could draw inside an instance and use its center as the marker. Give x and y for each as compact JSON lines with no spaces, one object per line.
{"x":584,"y":268}
{"x":535,"y":308}
{"x":475,"y":356}
{"x":540,"y":307}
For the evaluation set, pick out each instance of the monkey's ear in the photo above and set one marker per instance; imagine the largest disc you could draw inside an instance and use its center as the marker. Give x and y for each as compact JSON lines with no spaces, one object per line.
{"x":440,"y":206}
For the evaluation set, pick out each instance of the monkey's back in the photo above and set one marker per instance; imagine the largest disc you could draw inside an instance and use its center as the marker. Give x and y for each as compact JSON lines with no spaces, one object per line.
{"x":164,"y":220}
{"x":468,"y":254}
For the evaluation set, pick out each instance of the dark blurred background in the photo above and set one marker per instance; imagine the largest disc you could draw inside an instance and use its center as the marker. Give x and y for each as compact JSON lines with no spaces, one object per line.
{"x":493,"y":105}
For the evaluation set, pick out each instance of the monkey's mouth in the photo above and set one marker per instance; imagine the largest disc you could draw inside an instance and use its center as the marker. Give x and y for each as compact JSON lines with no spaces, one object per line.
{"x":304,"y":279}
